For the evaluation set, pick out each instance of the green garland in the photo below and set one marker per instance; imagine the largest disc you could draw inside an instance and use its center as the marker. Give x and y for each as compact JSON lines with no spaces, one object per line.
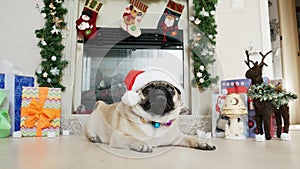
{"x":267,"y":92}
{"x":50,"y":41}
{"x":203,"y":42}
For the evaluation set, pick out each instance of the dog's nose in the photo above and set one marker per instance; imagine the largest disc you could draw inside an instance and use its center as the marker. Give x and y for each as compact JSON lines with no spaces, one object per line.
{"x":158,"y":105}
{"x":162,"y":100}
{"x":158,"y":101}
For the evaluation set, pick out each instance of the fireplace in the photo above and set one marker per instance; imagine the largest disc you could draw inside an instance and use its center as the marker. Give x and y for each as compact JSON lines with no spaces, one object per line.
{"x":108,"y":58}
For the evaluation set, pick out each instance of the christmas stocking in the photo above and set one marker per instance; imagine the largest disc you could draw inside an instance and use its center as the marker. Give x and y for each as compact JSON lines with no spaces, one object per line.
{"x":168,"y":23}
{"x":86,"y":24}
{"x":132,"y":17}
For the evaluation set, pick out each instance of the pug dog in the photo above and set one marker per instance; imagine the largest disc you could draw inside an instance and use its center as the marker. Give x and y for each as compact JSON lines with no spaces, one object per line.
{"x":152,"y":122}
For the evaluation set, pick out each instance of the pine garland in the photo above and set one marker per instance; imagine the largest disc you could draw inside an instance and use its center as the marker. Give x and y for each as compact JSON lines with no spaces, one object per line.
{"x":50,"y":74}
{"x":267,"y":92}
{"x":204,"y":41}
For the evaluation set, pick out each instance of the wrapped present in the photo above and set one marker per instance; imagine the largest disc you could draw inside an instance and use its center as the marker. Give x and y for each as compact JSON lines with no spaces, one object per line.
{"x":14,"y":84}
{"x":12,"y":79}
{"x":40,"y":111}
{"x":19,"y":82}
{"x":241,"y":86}
{"x":2,"y":82}
{"x":4,"y":115}
{"x":235,"y":85}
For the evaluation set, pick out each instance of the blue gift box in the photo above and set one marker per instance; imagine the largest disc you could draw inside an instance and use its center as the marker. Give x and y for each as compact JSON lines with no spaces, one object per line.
{"x":14,"y":84}
{"x":20,"y":81}
{"x":241,"y":86}
{"x":2,"y":82}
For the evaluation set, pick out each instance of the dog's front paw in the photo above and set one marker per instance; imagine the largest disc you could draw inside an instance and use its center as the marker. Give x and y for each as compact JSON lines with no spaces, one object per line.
{"x":143,"y":148}
{"x":205,"y":146}
{"x":95,"y":139}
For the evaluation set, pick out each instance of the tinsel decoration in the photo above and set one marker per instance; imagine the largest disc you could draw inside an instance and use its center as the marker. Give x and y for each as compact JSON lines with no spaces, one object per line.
{"x":204,"y":41}
{"x":268,"y":92}
{"x":50,"y":38}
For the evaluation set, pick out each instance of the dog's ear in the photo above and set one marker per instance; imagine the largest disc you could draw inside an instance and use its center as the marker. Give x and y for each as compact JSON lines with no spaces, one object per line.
{"x":178,"y":91}
{"x":96,"y":105}
{"x":172,"y":89}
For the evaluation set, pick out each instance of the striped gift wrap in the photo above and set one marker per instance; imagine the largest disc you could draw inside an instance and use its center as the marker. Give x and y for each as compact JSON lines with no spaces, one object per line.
{"x":40,"y":111}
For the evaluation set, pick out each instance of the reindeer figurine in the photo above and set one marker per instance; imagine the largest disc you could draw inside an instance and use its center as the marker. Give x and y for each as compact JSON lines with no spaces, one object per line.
{"x":268,"y":99}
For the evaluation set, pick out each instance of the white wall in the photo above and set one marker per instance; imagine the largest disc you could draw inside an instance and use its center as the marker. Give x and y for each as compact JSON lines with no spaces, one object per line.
{"x":236,"y":30}
{"x":19,"y":20}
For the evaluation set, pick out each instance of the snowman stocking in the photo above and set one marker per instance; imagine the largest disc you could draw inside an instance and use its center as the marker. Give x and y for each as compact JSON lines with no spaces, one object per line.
{"x":168,"y":23}
{"x":132,"y":17}
{"x":86,"y":24}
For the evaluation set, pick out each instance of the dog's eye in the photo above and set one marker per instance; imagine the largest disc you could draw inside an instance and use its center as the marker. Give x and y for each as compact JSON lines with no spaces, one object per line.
{"x":171,"y":89}
{"x":146,"y":90}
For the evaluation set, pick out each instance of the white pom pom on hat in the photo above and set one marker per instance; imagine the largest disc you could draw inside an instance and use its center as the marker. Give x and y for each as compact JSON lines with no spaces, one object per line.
{"x":131,"y":98}
{"x":136,"y":79}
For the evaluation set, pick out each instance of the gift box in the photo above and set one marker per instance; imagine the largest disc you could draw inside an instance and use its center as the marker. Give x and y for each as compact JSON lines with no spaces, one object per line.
{"x":5,"y":125}
{"x":14,"y":83}
{"x":241,"y":86}
{"x":2,"y":78}
{"x":235,"y":85}
{"x":40,"y":111}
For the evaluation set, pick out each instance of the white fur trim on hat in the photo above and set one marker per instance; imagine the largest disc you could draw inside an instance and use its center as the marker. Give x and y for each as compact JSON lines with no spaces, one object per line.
{"x":137,"y":79}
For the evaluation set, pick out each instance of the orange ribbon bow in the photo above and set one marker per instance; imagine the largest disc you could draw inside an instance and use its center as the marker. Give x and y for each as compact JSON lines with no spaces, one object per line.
{"x":36,"y":113}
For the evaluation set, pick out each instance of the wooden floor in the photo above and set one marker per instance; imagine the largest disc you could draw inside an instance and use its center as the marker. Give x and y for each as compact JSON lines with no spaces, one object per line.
{"x":74,"y":152}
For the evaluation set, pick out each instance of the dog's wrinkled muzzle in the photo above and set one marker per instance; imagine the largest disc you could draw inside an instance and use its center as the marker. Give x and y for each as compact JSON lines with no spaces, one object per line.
{"x":158,"y":101}
{"x":158,"y":98}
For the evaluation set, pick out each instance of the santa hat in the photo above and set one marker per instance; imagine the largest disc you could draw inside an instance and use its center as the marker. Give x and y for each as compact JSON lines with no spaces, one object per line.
{"x":136,"y":79}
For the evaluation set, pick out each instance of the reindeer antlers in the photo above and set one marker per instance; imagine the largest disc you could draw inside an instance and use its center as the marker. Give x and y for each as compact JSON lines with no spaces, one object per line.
{"x":262,"y":63}
{"x":248,"y":60}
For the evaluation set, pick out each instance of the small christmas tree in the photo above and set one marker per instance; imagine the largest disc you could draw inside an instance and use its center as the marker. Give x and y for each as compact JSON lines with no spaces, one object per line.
{"x":50,"y":36}
{"x":204,"y":41}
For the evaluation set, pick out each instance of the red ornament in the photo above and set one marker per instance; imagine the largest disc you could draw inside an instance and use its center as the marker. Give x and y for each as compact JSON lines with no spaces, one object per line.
{"x":174,"y":33}
{"x":250,"y":124}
